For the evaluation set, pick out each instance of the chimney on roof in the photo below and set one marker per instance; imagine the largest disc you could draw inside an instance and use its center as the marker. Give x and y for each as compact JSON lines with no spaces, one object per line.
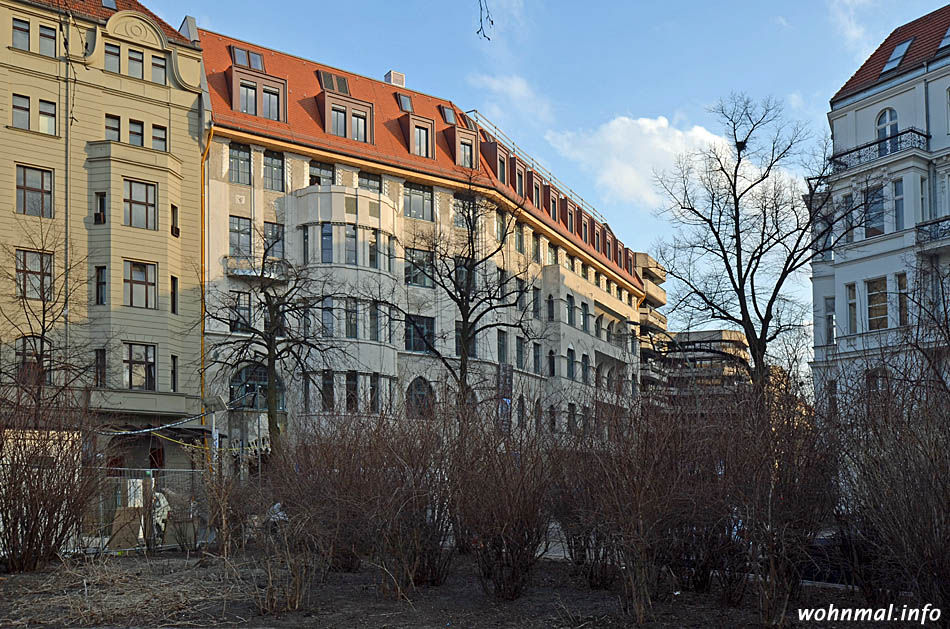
{"x":395,"y":78}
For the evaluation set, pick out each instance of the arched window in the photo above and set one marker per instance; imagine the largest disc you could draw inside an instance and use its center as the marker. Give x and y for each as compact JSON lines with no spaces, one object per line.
{"x":585,"y":368}
{"x":598,"y":326}
{"x":887,"y":131}
{"x":585,"y":312}
{"x":570,"y":310}
{"x":552,"y":364}
{"x":551,"y":308}
{"x":420,"y":400}
{"x":249,"y":388}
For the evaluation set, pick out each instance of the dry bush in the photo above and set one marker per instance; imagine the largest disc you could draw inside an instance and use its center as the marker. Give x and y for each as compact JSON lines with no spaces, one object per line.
{"x":505,"y":482}
{"x":46,"y":488}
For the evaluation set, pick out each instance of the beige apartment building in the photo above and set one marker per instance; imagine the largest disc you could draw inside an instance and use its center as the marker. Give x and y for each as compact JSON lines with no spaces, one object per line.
{"x":338,"y":175}
{"x":101,"y":150}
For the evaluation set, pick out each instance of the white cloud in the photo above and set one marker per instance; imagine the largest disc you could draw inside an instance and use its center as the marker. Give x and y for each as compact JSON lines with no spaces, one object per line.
{"x":844,"y":16}
{"x":512,"y":92}
{"x":624,"y":153}
{"x":795,"y":100}
{"x":782,"y":21}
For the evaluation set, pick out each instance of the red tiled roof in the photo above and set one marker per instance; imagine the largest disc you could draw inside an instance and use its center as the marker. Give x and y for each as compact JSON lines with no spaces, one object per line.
{"x":304,"y":125}
{"x":94,"y":9}
{"x":926,"y":31}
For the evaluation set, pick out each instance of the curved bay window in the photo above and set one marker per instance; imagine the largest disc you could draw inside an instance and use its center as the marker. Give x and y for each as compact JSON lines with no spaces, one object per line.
{"x":248,"y":389}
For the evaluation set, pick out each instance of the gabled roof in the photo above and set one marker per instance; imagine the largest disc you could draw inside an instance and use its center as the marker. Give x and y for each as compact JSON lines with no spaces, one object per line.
{"x":305,"y":124}
{"x":94,"y":10}
{"x":926,"y":34}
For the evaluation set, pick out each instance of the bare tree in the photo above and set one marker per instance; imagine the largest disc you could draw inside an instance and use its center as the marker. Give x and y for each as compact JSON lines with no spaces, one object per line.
{"x":744,"y":227}
{"x":268,"y":318}
{"x":479,"y":263}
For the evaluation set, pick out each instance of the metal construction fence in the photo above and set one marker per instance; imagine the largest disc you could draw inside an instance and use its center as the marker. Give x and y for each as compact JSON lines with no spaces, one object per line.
{"x":146,"y":508}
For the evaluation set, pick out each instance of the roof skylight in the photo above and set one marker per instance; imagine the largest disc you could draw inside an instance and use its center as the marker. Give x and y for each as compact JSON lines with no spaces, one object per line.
{"x":109,"y":4}
{"x":405,"y":102}
{"x":896,"y":56}
{"x":334,"y":83}
{"x":448,"y":114}
{"x":946,"y":40}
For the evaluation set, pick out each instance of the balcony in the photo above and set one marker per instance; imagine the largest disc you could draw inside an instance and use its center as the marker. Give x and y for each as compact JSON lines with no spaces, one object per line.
{"x":933,"y":231}
{"x":652,"y":318}
{"x":655,"y":295}
{"x":902,"y":141}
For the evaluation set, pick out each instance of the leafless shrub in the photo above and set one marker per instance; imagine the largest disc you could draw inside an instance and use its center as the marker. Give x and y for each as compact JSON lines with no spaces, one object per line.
{"x":504,"y":501}
{"x":46,"y":488}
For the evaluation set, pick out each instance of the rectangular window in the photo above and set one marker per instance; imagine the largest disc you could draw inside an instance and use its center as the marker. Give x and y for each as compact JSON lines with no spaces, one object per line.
{"x":176,"y":230}
{"x":271,"y":103}
{"x":519,"y":183}
{"x":248,"y":98}
{"x":139,"y":204}
{"x":571,"y":315}
{"x":326,"y":390}
{"x":421,"y":147}
{"x":140,"y":285}
{"x":21,"y":34}
{"x":570,"y":221}
{"x":352,"y":392}
{"x":112,"y":53}
{"x":99,"y":380}
{"x":522,"y":296}
{"x":570,"y":363}
{"x":351,"y":318}
{"x":350,"y":244}
{"x":159,"y":138}
{"x":374,"y":249}
{"x":537,"y":197}
{"x":274,"y":240}
{"x":273,"y":171}
{"x":500,"y":227}
{"x":240,"y":166}
{"x":536,"y":248}
{"x":239,"y":237}
{"x":21,"y":112}
{"x":370,"y":181}
{"x":467,"y":160}
{"x":830,"y":331}
{"x":519,"y":352}
{"x":34,"y":275}
{"x":113,"y":128}
{"x":420,"y":333}
{"x":47,"y":117}
{"x":552,"y":254}
{"x":847,"y":208}
{"x":139,"y":367}
{"x":173,"y":296}
{"x":136,"y":64}
{"x":338,"y":122}
{"x":34,"y":191}
{"x":472,"y":345}
{"x":136,"y":133}
{"x":536,"y":358}
{"x":502,"y":173}
{"x":418,"y":268}
{"x":898,"y":190}
{"x":174,"y":374}
{"x":502,"y":347}
{"x":158,"y":70}
{"x":877,"y":303}
{"x":326,"y":243}
{"x":327,"y":318}
{"x":102,"y":286}
{"x":874,"y":213}
{"x":417,"y":201}
{"x":321,"y":174}
{"x":240,"y":315}
{"x":100,"y":210}
{"x":903,"y":300}
{"x":374,"y":321}
{"x":374,"y":403}
{"x":359,"y":127}
{"x":536,"y":302}
{"x":519,"y":237}
{"x":851,"y":295}
{"x":391,"y":248}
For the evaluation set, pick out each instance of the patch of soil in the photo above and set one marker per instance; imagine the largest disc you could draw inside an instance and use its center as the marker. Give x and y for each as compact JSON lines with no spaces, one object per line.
{"x":174,"y":591}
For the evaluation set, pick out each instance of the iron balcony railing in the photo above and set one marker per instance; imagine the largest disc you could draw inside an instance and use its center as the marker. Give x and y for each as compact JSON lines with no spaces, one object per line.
{"x":907,"y":139}
{"x":937,"y":229}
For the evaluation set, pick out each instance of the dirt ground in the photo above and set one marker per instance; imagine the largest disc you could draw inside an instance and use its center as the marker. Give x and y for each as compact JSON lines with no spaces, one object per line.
{"x":178,"y":591}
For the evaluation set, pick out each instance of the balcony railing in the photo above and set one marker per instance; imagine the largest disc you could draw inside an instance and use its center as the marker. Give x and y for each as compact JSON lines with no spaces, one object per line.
{"x":274,"y":268}
{"x":937,"y":229}
{"x":907,"y":139}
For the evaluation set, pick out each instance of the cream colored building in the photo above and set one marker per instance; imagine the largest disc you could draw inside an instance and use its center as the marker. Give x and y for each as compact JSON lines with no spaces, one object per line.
{"x":101,"y":150}
{"x":351,"y":171}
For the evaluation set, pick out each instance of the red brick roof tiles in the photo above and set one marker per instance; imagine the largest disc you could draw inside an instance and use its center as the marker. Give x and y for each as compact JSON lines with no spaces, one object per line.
{"x":94,"y":9}
{"x":305,"y":124}
{"x":926,"y":31}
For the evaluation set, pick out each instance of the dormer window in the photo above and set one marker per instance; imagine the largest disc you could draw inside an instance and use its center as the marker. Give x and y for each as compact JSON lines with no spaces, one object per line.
{"x":248,"y":98}
{"x":896,"y":56}
{"x":466,"y":155}
{"x":247,"y":59}
{"x":334,"y":83}
{"x":448,"y":114}
{"x":421,"y":141}
{"x":405,"y":102}
{"x":945,"y":42}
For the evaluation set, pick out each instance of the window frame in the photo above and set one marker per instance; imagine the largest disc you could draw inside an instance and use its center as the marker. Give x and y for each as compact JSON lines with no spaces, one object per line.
{"x":18,"y":27}
{"x":48,"y":36}
{"x":24,"y":191}
{"x":241,"y":226}
{"x":274,"y":171}
{"x":27,"y":288}
{"x":136,"y":58}
{"x":115,"y":130}
{"x":159,"y":69}
{"x":130,"y":364}
{"x":239,"y":164}
{"x":17,"y":106}
{"x":136,"y":130}
{"x":159,"y":138}
{"x":112,"y":58}
{"x":129,"y":203}
{"x":150,"y":283}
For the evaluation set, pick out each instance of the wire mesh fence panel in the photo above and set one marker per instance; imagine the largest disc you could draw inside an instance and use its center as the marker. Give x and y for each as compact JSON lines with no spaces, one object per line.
{"x":146,"y":508}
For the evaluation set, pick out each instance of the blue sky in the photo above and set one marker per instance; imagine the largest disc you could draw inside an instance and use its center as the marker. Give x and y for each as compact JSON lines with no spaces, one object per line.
{"x":603,"y":93}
